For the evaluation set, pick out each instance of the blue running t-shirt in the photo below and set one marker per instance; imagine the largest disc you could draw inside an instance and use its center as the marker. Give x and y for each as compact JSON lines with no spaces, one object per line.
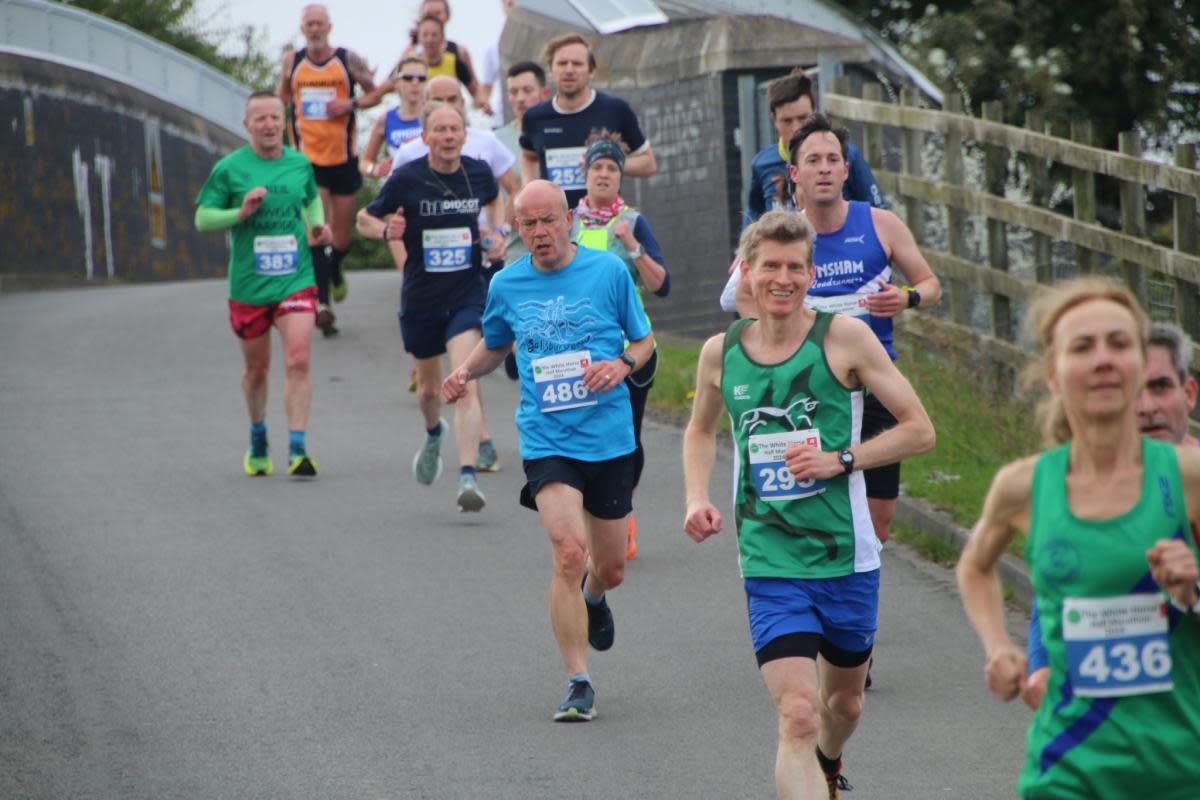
{"x":581,"y":313}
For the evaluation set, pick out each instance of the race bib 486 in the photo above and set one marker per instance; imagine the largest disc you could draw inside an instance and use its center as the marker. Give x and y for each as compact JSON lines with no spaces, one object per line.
{"x":558,"y":381}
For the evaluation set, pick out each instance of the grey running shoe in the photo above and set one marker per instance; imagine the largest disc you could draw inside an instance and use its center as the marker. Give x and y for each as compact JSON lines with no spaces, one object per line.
{"x":427,"y":464}
{"x":470,"y":498}
{"x":488,"y":460}
{"x":580,"y":705}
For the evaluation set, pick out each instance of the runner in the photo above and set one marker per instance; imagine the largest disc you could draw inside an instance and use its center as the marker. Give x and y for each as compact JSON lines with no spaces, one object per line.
{"x":431,"y":34}
{"x":792,"y":383}
{"x":270,"y":272}
{"x":603,"y":221}
{"x":431,"y":208}
{"x":525,"y":86}
{"x":318,"y":80}
{"x":858,"y":254}
{"x":440,"y":10}
{"x":553,"y":133}
{"x":484,"y":146}
{"x":790,"y":99}
{"x":399,"y":125}
{"x":1110,"y":516}
{"x":570,"y":311}
{"x":1163,"y":408}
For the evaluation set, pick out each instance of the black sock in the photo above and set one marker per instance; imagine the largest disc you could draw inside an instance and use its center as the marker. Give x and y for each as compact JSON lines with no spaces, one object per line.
{"x":321,"y":271}
{"x":830,"y":766}
{"x":335,"y":263}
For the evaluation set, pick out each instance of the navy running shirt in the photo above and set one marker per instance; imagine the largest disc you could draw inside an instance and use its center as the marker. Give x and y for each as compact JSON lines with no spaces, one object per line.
{"x":441,"y":212}
{"x":558,"y":138}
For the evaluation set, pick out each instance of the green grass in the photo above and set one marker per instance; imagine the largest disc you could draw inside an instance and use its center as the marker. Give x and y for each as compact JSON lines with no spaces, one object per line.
{"x":930,"y":547}
{"x":978,"y":429}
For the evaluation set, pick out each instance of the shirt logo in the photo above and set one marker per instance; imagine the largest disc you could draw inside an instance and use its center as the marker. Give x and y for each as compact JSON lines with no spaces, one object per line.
{"x":860,"y":239}
{"x":741,"y":391}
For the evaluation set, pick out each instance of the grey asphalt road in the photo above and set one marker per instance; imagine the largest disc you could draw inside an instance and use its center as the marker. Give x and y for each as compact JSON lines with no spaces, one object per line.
{"x":172,"y":629}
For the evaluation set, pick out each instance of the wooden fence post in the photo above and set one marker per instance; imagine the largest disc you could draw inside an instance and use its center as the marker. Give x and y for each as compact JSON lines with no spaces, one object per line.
{"x":1039,"y":195}
{"x":956,"y":218}
{"x":995,"y":168}
{"x":872,"y":133}
{"x":910,"y":157}
{"x":1187,"y":240}
{"x":1133,"y":219}
{"x":1084,"y":184}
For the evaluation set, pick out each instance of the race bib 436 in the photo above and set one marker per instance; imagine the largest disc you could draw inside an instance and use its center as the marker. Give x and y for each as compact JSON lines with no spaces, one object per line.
{"x":1117,"y":646}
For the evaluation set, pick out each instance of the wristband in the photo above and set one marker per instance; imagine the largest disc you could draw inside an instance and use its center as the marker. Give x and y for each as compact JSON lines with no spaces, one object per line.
{"x":1195,"y":608}
{"x":638,"y":253}
{"x":914,"y":297}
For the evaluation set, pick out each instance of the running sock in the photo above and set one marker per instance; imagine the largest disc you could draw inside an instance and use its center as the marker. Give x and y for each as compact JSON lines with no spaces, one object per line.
{"x":322,"y":267}
{"x":587,"y":596}
{"x":296,"y":443}
{"x":435,"y":431}
{"x":579,"y":676}
{"x":335,"y":262}
{"x":258,"y":439}
{"x":830,"y":766}
{"x":466,"y":470}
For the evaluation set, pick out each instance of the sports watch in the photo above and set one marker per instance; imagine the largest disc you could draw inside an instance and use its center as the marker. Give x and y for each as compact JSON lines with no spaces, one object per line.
{"x":629,"y":360}
{"x":846,"y":459}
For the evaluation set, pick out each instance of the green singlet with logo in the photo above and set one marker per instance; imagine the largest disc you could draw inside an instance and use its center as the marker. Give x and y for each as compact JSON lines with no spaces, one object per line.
{"x":789,"y":528}
{"x":1121,"y":714}
{"x":269,"y":258}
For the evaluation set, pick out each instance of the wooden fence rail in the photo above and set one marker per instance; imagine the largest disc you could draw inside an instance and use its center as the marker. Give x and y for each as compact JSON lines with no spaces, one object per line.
{"x":1136,"y":258}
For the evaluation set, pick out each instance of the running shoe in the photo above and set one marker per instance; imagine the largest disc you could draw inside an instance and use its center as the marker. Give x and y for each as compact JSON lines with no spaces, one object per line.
{"x":258,"y":465}
{"x":600,"y":623}
{"x":470,"y":498}
{"x":487,"y":460}
{"x":413,"y":382}
{"x":326,"y":320}
{"x":338,"y":288}
{"x":580,"y":705}
{"x":837,"y":784}
{"x":302,"y":466}
{"x":427,"y":464}
{"x":631,"y":548}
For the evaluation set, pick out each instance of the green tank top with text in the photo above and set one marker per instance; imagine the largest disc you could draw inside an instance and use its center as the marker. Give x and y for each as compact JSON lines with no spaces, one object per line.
{"x":1121,"y":714}
{"x":790,"y":529}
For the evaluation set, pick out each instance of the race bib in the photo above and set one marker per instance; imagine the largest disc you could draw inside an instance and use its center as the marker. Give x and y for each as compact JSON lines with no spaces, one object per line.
{"x":446,"y":249}
{"x":773,"y":481}
{"x":275,"y":255}
{"x":314,"y":101}
{"x":1117,"y":646}
{"x":852,"y":305}
{"x":563,"y":167}
{"x":558,"y":381}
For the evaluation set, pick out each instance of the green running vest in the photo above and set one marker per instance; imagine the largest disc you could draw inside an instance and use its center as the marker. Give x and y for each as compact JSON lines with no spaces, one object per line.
{"x":1145,"y":745}
{"x":825,"y":535}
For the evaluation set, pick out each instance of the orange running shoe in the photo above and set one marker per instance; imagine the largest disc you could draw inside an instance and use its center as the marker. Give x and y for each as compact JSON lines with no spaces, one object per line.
{"x":631,"y":550}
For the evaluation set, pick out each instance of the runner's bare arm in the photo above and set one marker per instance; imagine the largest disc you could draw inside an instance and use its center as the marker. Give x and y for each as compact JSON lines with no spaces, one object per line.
{"x":480,"y":362}
{"x":530,"y":166}
{"x":370,"y":153}
{"x":285,"y":77}
{"x":641,"y":164}
{"x":361,"y":71}
{"x":702,"y":519}
{"x":510,"y":184}
{"x":1005,"y":510}
{"x":907,"y":260}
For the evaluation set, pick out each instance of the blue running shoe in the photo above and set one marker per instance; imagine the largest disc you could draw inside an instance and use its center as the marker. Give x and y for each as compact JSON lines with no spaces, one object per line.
{"x":427,"y":463}
{"x":580,"y":705}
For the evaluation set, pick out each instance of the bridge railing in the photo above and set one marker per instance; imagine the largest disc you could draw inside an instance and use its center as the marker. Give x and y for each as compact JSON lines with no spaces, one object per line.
{"x":1022,"y":238}
{"x":57,"y":32}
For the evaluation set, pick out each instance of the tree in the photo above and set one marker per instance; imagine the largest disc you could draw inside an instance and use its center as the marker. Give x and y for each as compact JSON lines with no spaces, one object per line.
{"x":239,"y":53}
{"x":1123,"y":65}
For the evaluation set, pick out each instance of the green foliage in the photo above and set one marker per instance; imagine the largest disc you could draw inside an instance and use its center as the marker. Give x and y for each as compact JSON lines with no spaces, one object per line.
{"x":239,"y":53}
{"x":368,"y":253}
{"x":929,"y":546}
{"x":1122,"y":65}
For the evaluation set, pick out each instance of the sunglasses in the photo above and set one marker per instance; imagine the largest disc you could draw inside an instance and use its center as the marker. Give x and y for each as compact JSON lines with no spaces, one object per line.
{"x":404,"y":76}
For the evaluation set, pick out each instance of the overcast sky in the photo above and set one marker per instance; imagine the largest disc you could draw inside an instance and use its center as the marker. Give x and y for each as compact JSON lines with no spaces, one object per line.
{"x":376,"y":30}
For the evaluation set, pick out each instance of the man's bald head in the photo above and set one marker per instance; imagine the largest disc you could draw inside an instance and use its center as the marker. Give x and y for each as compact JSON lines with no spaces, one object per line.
{"x":540,"y":192}
{"x":444,"y":89}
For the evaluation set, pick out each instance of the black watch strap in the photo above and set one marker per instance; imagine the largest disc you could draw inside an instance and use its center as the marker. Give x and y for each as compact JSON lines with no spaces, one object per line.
{"x":629,"y":360}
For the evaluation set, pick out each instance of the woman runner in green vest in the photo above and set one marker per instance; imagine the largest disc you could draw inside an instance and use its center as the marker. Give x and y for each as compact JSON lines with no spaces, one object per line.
{"x":603,"y":221}
{"x":1111,"y":517}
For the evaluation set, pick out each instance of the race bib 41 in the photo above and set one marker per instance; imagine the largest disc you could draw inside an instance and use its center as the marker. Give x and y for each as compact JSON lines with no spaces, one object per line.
{"x":314,"y":102}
